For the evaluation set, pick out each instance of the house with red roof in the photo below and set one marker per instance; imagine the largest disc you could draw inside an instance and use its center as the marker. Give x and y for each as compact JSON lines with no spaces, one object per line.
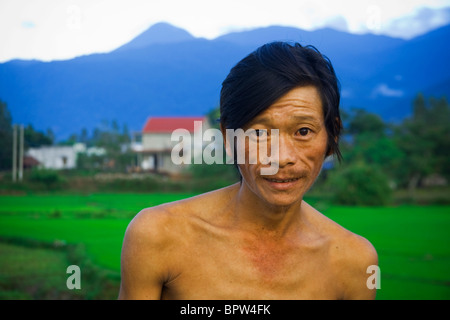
{"x":157,"y":145}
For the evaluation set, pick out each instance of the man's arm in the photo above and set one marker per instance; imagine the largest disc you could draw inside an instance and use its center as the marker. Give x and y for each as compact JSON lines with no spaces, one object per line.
{"x":144,"y":256}
{"x":360,"y":257}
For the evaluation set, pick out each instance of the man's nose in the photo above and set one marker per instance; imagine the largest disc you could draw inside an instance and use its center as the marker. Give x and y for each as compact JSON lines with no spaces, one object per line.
{"x":286,"y":155}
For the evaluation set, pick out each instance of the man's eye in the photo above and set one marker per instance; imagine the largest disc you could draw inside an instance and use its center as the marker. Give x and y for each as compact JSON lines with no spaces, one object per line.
{"x":304,"y":131}
{"x":260,"y":133}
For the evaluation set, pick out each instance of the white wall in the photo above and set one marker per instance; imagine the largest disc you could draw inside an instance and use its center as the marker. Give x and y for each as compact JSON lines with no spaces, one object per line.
{"x":57,"y":158}
{"x":156,"y":141}
{"x":161,"y":144}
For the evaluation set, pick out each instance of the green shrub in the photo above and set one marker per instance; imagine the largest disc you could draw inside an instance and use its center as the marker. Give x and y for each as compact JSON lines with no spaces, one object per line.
{"x":51,"y":179}
{"x":206,"y":177}
{"x":360,"y":185}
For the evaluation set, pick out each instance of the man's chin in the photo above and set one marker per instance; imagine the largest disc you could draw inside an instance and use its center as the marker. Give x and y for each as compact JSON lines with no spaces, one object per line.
{"x":282,"y":201}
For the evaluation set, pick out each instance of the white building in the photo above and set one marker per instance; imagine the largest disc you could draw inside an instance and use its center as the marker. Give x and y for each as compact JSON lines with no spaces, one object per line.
{"x":62,"y":157}
{"x":156,"y":149}
{"x":55,"y":157}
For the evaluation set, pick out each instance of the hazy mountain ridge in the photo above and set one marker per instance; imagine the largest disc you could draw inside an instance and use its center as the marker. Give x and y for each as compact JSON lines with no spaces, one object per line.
{"x":167,"y":71}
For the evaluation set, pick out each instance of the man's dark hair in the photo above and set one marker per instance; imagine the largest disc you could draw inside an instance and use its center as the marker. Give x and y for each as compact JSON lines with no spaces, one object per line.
{"x":270,"y":72}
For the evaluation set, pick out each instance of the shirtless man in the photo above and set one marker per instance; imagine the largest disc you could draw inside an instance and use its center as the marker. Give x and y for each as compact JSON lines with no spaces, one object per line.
{"x":257,"y":239}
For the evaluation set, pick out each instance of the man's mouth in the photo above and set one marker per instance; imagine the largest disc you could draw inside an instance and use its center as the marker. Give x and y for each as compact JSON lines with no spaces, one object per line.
{"x":282,"y":180}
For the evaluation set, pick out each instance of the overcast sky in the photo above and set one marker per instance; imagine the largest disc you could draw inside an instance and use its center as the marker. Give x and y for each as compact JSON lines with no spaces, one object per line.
{"x":63,"y":29}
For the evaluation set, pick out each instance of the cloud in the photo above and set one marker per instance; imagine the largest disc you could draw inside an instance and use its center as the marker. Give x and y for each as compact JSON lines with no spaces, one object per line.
{"x":49,"y":29}
{"x":384,"y":90}
{"x":28,"y":24}
{"x":422,"y":21}
{"x":337,"y":23}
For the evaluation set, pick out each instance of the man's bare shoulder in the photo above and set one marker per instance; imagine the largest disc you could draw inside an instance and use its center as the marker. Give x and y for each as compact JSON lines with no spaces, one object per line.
{"x":149,"y":232}
{"x":351,"y":254}
{"x":168,"y":219}
{"x":151,"y":243}
{"x":341,"y":237}
{"x":155,"y":224}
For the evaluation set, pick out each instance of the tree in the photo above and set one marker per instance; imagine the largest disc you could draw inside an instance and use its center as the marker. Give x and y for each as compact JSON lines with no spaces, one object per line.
{"x":360,"y":184}
{"x":110,"y":137}
{"x":362,"y":122}
{"x":214,"y":117}
{"x":125,"y":136}
{"x":367,"y":138}
{"x":5,"y":137}
{"x":34,"y":139}
{"x":84,"y":137}
{"x":424,"y":138}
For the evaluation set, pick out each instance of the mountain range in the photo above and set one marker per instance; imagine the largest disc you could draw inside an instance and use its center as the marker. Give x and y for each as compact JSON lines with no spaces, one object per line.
{"x":165,"y":71}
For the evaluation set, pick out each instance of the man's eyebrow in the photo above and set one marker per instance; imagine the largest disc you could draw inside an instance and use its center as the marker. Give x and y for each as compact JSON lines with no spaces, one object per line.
{"x":299,"y":118}
{"x":306,"y":118}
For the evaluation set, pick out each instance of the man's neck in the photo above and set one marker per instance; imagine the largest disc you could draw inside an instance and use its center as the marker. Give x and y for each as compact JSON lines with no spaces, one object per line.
{"x":256,"y":215}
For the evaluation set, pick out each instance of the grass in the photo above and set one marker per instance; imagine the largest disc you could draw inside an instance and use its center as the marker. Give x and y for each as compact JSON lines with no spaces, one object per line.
{"x":99,"y":205}
{"x":413,"y":247}
{"x":31,"y":269}
{"x":98,"y":221}
{"x":28,"y":273}
{"x":412,"y":241}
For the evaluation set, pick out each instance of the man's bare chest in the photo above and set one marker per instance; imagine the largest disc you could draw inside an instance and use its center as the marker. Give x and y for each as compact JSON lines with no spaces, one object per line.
{"x":252,"y":270}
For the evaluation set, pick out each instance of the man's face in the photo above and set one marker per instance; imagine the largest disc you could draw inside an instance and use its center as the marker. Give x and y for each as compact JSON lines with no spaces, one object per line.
{"x":302,"y":139}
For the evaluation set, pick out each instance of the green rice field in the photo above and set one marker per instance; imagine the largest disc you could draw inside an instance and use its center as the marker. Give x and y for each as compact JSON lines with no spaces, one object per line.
{"x":40,"y":235}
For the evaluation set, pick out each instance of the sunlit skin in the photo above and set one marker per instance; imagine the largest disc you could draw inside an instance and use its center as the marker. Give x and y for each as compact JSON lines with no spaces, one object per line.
{"x":256,"y":239}
{"x":302,"y":137}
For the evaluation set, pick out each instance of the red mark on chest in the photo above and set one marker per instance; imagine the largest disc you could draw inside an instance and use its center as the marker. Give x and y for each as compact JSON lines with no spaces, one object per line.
{"x":269,"y":258}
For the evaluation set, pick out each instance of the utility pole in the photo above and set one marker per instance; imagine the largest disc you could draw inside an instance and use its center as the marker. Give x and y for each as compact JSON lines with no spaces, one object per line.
{"x":18,"y":138}
{"x":14,"y":164}
{"x":21,"y":146}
